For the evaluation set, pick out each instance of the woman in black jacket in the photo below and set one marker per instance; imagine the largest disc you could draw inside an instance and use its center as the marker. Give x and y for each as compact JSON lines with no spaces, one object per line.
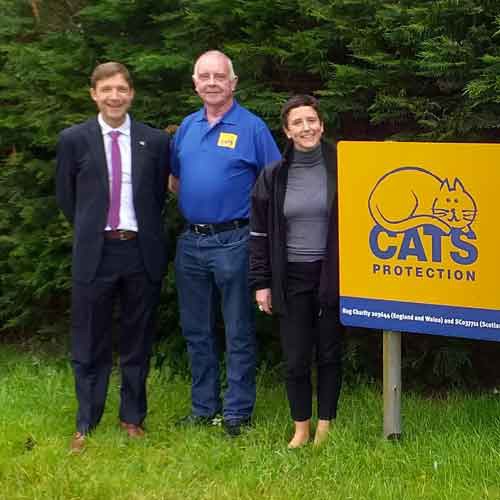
{"x":294,"y":263}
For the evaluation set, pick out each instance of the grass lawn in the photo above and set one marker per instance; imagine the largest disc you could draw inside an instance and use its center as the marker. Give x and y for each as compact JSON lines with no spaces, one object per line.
{"x":450,"y":449}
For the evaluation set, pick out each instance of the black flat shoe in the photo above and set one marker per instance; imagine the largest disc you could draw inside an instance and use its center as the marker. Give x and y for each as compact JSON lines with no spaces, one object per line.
{"x":233,"y":426}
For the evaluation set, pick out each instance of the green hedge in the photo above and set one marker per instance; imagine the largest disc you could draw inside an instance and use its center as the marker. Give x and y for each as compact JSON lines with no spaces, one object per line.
{"x":412,"y":69}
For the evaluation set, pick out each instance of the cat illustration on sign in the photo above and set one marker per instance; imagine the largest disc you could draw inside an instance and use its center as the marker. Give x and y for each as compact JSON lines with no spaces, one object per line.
{"x":409,"y":197}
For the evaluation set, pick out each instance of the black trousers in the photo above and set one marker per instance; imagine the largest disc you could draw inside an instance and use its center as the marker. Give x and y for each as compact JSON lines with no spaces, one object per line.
{"x":121,"y":275}
{"x":307,"y":328}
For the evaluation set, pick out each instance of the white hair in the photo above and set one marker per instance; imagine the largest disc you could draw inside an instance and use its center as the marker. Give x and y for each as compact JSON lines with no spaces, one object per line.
{"x":232,"y":74}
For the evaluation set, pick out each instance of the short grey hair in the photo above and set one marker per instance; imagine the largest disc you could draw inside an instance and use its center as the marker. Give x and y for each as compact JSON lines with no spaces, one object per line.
{"x":232,"y":74}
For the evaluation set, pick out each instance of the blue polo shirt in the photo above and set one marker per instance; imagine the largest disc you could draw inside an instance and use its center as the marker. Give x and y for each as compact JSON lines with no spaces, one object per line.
{"x":217,"y":165}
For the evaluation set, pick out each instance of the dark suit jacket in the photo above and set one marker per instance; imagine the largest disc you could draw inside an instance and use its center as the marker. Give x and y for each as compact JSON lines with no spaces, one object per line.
{"x":82,"y":190}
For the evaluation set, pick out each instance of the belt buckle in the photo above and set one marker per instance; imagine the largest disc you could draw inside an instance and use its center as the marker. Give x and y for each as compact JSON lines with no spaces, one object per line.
{"x":123,"y":236}
{"x":201,"y":229}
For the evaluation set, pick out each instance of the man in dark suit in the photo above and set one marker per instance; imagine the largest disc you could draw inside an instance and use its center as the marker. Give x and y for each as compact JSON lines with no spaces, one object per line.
{"x":110,"y":184}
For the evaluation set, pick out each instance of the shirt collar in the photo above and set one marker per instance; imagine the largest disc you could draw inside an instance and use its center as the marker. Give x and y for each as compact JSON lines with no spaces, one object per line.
{"x":124,"y":128}
{"x":229,"y":117}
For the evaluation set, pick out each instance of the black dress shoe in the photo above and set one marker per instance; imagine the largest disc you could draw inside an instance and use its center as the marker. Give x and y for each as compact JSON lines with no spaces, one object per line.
{"x":198,"y":420}
{"x":233,"y":426}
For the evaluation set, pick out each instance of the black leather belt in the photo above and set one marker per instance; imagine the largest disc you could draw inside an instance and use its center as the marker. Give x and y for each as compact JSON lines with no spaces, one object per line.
{"x":207,"y":229}
{"x":120,"y":234}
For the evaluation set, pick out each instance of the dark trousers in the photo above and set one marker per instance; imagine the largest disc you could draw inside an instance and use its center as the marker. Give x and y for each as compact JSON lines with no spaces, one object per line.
{"x":304,"y":327}
{"x":121,"y":275}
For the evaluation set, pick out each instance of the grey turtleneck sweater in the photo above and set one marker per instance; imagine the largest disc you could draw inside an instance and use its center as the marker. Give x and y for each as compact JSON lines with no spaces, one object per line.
{"x":306,"y":207}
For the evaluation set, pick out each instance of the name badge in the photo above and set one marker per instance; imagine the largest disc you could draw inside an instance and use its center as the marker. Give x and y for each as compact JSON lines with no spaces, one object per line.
{"x":227,"y":140}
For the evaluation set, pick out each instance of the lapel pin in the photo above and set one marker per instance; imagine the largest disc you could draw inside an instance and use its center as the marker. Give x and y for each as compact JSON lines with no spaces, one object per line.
{"x":142,"y":143}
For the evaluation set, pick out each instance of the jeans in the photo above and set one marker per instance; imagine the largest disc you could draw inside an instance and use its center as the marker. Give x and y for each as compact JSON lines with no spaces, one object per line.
{"x":211,"y":269}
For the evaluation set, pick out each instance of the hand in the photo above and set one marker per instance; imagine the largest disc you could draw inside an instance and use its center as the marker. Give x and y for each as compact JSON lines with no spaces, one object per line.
{"x":173,"y":184}
{"x":263,"y":298}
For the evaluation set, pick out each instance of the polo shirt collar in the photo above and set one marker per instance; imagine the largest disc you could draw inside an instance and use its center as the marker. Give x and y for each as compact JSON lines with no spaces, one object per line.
{"x":229,"y":117}
{"x":124,"y":128}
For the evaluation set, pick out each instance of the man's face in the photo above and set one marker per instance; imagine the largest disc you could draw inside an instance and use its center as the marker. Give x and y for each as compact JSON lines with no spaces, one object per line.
{"x":113,"y":97}
{"x":212,"y":81}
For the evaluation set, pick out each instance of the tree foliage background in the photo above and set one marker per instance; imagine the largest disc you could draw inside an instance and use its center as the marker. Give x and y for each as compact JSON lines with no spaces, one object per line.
{"x":407,"y":69}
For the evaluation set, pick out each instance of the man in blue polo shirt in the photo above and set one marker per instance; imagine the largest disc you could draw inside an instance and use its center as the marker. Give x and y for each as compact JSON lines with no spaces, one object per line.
{"x":217,"y":155}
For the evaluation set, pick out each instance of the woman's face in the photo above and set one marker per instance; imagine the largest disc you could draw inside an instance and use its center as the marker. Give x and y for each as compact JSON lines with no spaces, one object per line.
{"x":304,"y":128}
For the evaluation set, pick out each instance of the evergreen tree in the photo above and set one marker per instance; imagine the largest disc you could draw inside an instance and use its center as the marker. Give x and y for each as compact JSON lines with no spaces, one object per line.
{"x":418,"y":70}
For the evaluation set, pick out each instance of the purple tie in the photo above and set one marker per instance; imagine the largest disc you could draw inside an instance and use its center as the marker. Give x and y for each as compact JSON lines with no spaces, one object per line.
{"x":116,"y":181}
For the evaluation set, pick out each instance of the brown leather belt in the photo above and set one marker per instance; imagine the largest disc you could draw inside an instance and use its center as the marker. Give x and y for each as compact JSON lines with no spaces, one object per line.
{"x":120,"y":234}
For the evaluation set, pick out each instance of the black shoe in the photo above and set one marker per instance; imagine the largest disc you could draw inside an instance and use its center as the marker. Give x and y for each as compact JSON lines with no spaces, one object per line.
{"x":232,"y":427}
{"x":198,"y":420}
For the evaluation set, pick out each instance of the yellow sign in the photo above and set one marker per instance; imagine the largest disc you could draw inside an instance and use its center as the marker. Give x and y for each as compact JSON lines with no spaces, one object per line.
{"x":227,"y":140}
{"x":419,"y":237}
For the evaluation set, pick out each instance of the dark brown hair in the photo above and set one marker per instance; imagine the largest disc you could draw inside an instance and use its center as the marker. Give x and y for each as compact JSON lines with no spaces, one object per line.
{"x":109,"y":69}
{"x":296,"y":102}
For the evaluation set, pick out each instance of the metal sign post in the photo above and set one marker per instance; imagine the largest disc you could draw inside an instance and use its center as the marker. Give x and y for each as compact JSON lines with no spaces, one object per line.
{"x":392,"y":384}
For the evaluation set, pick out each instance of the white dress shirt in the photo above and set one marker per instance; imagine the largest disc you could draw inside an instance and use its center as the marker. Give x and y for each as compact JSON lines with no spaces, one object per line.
{"x":128,"y":220}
